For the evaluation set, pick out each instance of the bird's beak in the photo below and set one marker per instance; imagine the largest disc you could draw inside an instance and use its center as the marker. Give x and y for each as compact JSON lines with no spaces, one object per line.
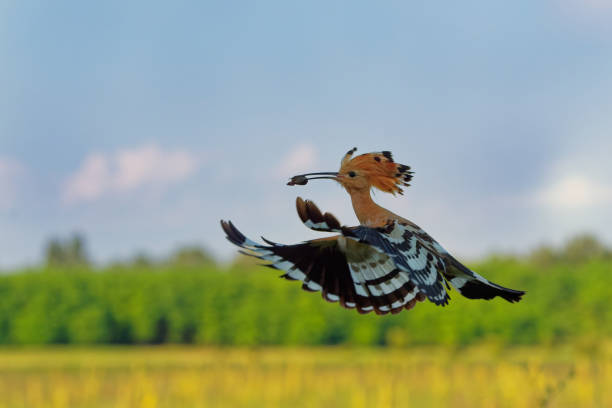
{"x":302,"y":179}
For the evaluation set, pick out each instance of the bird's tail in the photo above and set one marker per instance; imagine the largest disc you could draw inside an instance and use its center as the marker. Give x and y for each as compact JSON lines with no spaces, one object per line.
{"x":473,"y":286}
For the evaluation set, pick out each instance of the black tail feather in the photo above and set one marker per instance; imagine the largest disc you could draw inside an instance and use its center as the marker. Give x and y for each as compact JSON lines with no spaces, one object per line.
{"x":475,"y":289}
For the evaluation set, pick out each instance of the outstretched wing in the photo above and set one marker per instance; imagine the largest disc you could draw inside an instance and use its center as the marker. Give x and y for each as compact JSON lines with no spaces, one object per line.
{"x":429,"y":264}
{"x":410,"y":253}
{"x":345,"y":271}
{"x":467,"y":282}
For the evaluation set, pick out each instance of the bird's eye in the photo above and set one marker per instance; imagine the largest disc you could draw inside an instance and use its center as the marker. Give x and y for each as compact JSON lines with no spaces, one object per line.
{"x":351,"y":174}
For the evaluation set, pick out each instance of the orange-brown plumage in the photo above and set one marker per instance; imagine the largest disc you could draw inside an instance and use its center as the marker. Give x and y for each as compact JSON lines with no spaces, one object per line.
{"x":376,"y":170}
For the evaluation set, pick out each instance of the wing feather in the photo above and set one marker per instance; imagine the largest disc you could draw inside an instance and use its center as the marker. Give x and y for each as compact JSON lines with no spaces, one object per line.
{"x":410,"y":254}
{"x":358,"y":277}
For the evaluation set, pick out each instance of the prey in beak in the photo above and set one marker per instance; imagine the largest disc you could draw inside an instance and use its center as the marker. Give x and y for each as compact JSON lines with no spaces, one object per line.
{"x":302,"y":179}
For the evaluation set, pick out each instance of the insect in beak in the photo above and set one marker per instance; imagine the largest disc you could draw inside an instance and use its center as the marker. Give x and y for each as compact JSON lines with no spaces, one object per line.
{"x":302,"y":179}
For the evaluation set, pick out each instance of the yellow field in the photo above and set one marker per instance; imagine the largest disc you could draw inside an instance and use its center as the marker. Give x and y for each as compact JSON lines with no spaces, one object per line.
{"x":325,"y":377}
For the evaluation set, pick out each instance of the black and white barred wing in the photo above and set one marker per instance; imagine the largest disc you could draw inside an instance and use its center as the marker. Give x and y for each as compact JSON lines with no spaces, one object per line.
{"x":354,"y":274}
{"x":467,"y":282}
{"x":377,"y":277}
{"x":374,"y":274}
{"x":430,"y":265}
{"x":318,"y":264}
{"x":412,"y":255}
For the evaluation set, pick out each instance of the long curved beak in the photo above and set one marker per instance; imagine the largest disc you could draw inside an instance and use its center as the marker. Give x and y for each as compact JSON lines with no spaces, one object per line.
{"x":302,"y":179}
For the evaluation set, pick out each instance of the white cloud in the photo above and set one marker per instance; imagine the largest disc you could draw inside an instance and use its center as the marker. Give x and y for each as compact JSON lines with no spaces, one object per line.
{"x":127,"y":170}
{"x":151,"y":165}
{"x":91,"y":181}
{"x":10,"y":171}
{"x":574,"y":192}
{"x":301,"y":159}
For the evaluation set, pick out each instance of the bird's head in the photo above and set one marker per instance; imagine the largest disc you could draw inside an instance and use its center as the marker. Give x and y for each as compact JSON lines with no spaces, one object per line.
{"x":363,"y":172}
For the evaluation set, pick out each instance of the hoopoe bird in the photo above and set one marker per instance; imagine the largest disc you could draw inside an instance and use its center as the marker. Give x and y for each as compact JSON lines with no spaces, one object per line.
{"x":386,"y":264}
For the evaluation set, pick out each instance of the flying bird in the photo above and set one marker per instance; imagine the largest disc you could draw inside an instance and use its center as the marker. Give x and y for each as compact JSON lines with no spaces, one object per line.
{"x":386,"y":264}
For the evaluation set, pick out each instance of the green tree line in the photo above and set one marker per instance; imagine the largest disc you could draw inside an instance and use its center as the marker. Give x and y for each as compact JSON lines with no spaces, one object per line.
{"x":191,"y":300}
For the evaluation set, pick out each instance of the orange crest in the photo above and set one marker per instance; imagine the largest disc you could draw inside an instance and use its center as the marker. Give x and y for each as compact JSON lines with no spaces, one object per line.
{"x":377,"y":168}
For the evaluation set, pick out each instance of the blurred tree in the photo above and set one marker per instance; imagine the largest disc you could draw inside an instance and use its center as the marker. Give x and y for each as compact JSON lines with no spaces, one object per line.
{"x":543,"y":256}
{"x":191,"y":256}
{"x":54,"y":253}
{"x":243,"y":263}
{"x":180,"y":304}
{"x":583,"y":248}
{"x":88,"y":325}
{"x":69,"y":252}
{"x":142,"y":260}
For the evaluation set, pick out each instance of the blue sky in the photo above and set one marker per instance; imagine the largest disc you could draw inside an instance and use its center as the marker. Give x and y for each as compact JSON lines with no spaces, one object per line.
{"x":142,"y":124}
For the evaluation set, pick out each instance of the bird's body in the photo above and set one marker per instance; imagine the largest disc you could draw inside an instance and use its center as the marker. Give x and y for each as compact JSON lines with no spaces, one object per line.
{"x":385,"y":264}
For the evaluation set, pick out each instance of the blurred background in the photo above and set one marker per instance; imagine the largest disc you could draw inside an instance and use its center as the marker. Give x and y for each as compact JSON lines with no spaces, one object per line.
{"x":128,"y":130}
